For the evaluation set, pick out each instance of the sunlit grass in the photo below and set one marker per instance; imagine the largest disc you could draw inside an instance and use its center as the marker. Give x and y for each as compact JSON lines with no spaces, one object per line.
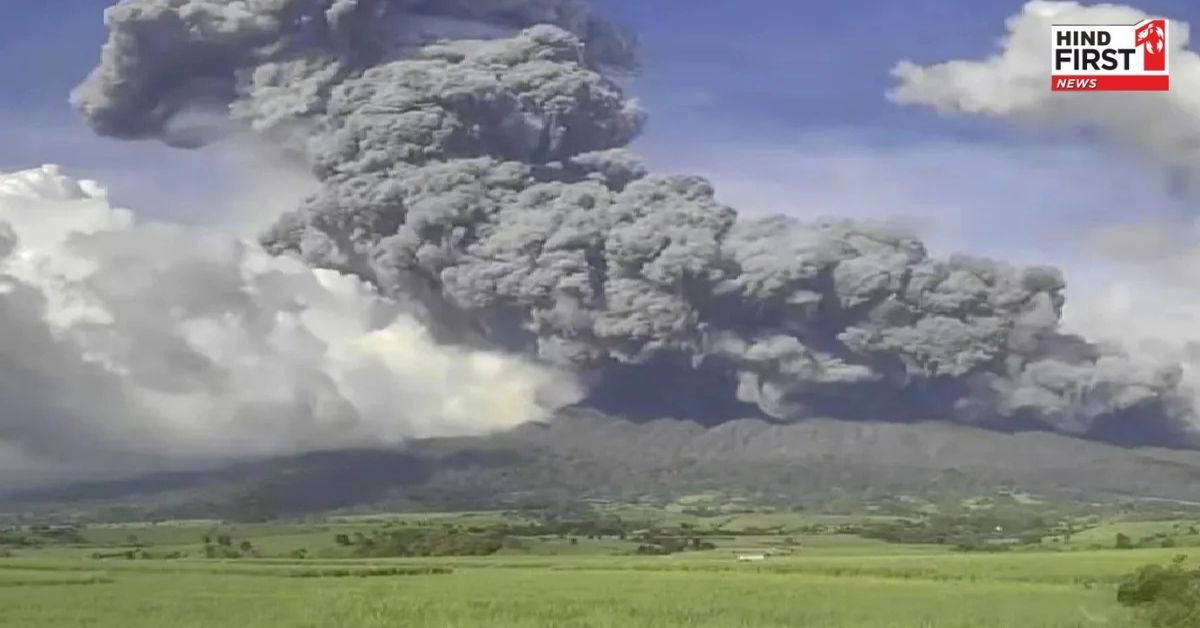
{"x":823,"y":581}
{"x":565,"y":592}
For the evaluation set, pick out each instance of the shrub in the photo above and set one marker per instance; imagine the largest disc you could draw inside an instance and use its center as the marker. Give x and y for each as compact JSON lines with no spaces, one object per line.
{"x":1168,"y":597}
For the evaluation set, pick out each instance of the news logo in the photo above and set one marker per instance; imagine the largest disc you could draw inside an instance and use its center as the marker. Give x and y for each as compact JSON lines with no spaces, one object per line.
{"x":1110,"y":57}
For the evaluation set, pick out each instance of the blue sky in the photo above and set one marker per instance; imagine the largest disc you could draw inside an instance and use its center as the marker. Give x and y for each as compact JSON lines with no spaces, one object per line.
{"x":780,"y":102}
{"x":46,"y":48}
{"x":783,"y":105}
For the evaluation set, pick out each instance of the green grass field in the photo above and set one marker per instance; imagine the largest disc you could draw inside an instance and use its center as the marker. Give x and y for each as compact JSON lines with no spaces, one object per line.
{"x":894,"y":591}
{"x":831,"y":580}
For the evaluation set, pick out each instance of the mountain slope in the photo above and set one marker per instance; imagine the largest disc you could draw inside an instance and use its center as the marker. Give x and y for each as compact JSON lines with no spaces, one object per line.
{"x":590,"y":455}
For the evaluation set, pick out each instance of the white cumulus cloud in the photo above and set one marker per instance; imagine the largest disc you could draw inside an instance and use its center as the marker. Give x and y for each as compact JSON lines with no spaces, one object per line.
{"x":127,"y":346}
{"x":1141,"y":291}
{"x":1014,"y":84}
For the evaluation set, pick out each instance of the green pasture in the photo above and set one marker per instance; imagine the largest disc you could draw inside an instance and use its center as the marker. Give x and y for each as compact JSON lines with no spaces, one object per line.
{"x":943,"y":591}
{"x":119,"y":578}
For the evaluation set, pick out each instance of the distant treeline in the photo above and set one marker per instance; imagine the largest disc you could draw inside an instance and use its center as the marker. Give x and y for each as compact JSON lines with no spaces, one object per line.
{"x":40,"y":535}
{"x":400,"y":540}
{"x":967,"y":532}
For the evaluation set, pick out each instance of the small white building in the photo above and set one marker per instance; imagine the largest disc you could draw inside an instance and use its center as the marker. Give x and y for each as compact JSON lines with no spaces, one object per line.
{"x":751,"y":557}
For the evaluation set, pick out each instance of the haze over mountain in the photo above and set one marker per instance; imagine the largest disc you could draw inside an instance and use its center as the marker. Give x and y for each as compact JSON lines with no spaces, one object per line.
{"x":482,"y":252}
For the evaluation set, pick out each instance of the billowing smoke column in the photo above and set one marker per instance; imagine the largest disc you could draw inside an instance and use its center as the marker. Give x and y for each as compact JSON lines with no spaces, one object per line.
{"x":279,"y":59}
{"x":477,"y":170}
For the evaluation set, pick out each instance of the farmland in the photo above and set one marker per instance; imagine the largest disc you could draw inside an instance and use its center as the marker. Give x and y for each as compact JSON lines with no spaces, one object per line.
{"x":815,"y":571}
{"x":560,"y":592}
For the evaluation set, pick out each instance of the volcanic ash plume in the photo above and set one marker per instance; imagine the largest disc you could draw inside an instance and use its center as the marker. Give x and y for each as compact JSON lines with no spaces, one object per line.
{"x":477,"y":172}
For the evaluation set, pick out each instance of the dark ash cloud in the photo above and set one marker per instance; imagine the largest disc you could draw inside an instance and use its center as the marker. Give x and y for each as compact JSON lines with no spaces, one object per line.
{"x":472,"y":164}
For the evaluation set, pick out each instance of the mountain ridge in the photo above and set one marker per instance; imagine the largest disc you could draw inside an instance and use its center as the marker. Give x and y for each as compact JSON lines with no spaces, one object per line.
{"x":585,"y":454}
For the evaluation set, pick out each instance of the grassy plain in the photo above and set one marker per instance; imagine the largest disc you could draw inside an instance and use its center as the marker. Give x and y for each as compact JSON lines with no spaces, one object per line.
{"x":919,"y":591}
{"x":829,"y":580}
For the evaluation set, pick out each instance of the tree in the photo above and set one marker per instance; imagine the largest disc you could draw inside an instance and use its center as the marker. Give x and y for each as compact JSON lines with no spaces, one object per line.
{"x":246,"y":547}
{"x":224,"y":540}
{"x":1123,"y":541}
{"x":343,"y":540}
{"x":1168,"y":597}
